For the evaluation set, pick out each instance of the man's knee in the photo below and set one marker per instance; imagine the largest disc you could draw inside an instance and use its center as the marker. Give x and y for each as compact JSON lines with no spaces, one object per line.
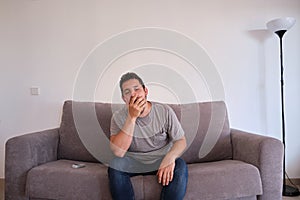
{"x":119,"y":164}
{"x":180,"y":166}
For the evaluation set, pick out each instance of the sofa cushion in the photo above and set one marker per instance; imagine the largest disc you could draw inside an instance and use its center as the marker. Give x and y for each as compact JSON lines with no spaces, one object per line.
{"x":78,"y":120}
{"x":58,"y":180}
{"x":207,"y":131}
{"x":85,"y":129}
{"x":228,"y":179}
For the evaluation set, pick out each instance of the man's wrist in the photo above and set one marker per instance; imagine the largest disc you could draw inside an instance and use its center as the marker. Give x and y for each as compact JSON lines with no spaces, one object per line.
{"x":132,"y":119}
{"x":170,"y":158}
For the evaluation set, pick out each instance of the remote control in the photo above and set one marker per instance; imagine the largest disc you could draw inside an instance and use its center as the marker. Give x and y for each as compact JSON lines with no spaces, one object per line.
{"x":76,"y":166}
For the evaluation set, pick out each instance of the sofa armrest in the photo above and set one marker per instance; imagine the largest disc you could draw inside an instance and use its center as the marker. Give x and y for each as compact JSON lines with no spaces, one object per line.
{"x":266,"y":153}
{"x":23,"y":153}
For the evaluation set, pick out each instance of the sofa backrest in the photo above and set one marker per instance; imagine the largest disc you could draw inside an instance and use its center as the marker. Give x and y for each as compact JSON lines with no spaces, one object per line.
{"x":207,"y":131}
{"x":85,"y":129}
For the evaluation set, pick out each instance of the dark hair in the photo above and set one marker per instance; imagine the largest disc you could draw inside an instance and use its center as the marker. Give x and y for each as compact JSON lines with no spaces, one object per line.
{"x":129,"y":76}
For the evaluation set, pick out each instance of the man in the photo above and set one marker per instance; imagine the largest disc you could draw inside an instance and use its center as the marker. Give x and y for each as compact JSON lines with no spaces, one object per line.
{"x":146,"y":138}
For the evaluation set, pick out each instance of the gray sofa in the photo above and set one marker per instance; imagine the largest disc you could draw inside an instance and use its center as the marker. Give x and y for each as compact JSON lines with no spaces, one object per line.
{"x":223,"y":163}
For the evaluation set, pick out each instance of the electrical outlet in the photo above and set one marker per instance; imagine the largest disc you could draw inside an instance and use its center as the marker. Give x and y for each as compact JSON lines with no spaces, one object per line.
{"x":35,"y":91}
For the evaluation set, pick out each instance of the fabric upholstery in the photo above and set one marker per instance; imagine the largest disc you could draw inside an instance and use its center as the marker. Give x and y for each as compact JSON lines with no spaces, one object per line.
{"x":269,"y":161}
{"x":205,"y":124}
{"x":223,"y":163}
{"x":91,"y":182}
{"x":198,"y":120}
{"x":65,"y":182}
{"x":233,"y":179}
{"x":70,"y":145}
{"x":23,"y":153}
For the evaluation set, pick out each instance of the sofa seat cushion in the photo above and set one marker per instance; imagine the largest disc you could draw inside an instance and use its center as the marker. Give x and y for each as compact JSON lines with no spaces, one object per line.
{"x":58,"y":180}
{"x":228,"y":179}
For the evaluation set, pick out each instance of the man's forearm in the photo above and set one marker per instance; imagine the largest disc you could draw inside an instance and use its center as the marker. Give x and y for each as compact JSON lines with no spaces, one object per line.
{"x":177,"y":148}
{"x":120,"y":142}
{"x":175,"y":152}
{"x":166,"y":168}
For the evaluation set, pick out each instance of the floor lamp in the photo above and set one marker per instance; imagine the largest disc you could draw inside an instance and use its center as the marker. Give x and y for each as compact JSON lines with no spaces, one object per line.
{"x":279,"y":27}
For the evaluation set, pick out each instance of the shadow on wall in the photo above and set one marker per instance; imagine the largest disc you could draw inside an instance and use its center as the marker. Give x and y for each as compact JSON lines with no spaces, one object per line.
{"x":260,"y":36}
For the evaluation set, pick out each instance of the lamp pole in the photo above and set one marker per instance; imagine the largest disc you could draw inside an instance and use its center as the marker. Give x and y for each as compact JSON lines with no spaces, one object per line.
{"x":280,"y":35}
{"x":279,"y":27}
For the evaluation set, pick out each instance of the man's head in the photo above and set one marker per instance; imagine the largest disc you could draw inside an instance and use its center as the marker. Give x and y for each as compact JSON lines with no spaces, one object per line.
{"x":131,"y":84}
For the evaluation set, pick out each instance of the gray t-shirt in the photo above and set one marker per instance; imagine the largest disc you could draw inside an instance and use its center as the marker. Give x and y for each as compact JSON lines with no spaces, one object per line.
{"x":153,"y":135}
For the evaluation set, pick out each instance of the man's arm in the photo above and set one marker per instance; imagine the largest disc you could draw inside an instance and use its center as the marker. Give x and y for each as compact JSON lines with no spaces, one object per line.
{"x":120,"y":142}
{"x":166,"y":170}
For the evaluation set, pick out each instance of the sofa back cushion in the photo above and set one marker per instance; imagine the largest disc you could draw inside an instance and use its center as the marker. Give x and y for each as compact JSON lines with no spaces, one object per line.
{"x":207,"y":131}
{"x":85,"y":129}
{"x":84,"y":124}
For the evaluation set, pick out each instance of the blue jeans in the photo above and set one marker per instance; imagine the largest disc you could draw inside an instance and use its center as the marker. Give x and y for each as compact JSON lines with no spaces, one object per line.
{"x":121,"y":187}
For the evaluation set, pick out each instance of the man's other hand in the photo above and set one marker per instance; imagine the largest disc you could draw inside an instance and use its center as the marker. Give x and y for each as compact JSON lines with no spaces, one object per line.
{"x":166,"y":171}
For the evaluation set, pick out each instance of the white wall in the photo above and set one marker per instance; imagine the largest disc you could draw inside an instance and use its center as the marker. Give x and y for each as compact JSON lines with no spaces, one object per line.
{"x":45,"y":42}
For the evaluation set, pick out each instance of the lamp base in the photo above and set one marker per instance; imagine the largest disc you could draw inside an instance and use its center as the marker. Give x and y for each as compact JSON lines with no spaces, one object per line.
{"x":290,"y":191}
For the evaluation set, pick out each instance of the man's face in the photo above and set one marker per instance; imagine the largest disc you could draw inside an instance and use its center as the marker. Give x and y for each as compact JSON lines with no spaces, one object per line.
{"x":132,"y":88}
